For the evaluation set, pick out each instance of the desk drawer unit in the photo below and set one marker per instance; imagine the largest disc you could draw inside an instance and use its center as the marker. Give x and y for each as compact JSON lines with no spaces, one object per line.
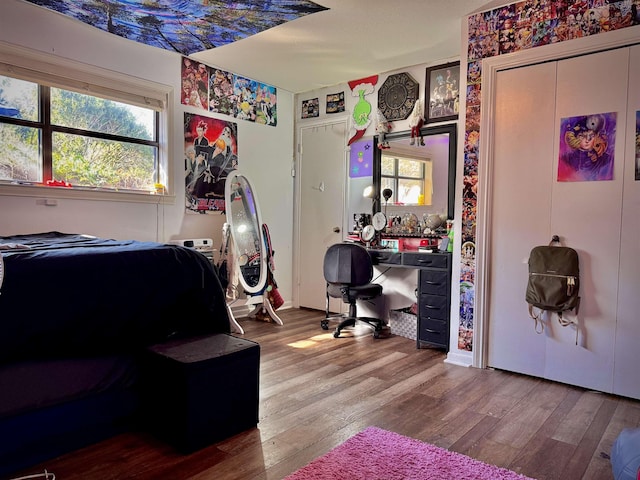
{"x":434,"y":299}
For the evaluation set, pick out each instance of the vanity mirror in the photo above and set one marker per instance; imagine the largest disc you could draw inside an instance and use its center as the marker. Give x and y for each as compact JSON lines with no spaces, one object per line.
{"x":420,"y":174}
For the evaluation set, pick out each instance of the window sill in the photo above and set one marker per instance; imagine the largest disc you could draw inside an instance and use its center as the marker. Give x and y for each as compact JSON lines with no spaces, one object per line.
{"x":40,"y":191}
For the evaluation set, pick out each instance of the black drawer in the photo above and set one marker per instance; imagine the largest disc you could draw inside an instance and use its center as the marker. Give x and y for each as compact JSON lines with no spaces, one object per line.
{"x":381,"y":256}
{"x":434,"y":282}
{"x":434,"y":336}
{"x":432,"y":260}
{"x":433,"y":306}
{"x":434,"y":326}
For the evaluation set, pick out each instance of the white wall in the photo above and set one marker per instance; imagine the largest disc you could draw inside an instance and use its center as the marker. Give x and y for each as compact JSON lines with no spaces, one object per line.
{"x":265,"y":153}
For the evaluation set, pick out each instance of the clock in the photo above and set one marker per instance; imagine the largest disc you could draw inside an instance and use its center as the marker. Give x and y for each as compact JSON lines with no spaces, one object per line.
{"x":367,"y":234}
{"x":397,"y":96}
{"x":379,"y":221}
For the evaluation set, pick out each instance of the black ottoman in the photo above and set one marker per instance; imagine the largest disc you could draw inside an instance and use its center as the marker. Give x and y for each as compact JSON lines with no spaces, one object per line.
{"x":201,"y":390}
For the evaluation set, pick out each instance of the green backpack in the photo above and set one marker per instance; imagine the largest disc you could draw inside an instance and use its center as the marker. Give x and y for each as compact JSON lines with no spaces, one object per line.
{"x":554,"y":282}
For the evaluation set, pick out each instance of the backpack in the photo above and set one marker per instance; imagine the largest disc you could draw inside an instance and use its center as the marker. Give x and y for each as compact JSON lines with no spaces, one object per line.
{"x":554,"y":282}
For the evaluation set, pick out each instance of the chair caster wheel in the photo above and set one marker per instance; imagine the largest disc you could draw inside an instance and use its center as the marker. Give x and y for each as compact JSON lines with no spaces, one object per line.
{"x":324,"y":324}
{"x":336,"y":334}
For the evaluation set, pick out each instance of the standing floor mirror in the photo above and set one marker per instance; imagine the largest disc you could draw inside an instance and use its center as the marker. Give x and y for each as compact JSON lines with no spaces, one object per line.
{"x":249,"y":247}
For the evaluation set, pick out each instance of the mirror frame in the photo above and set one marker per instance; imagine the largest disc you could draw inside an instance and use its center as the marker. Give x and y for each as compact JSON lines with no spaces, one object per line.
{"x":451,"y":129}
{"x":257,"y":218}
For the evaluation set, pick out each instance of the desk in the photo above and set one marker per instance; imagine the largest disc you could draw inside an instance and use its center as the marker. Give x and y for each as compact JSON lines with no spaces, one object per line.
{"x":434,"y":291}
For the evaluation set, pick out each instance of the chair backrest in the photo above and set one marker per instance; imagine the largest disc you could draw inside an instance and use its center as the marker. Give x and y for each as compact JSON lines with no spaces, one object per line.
{"x":347,"y":264}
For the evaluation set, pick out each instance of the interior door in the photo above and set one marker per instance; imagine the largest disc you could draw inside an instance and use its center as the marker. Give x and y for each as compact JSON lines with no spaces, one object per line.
{"x":323,"y":171}
{"x":520,"y":206}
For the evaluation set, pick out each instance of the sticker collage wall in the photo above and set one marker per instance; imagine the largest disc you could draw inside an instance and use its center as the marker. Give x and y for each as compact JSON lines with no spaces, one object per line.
{"x":511,"y":28}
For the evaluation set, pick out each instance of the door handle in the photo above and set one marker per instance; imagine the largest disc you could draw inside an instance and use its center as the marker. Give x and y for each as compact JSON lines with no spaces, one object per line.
{"x":336,"y":229}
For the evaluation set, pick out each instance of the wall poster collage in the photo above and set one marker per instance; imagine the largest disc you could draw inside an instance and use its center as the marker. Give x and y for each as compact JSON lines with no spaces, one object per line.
{"x":520,"y":26}
{"x":223,"y":92}
{"x":211,"y":146}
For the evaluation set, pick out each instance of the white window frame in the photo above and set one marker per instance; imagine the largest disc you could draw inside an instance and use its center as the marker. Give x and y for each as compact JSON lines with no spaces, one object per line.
{"x":59,"y":72}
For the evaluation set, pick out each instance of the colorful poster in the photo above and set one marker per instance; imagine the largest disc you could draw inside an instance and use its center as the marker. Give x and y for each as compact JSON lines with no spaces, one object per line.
{"x":587,"y":148}
{"x":195,"y":83}
{"x":183,"y":26}
{"x":335,"y":103}
{"x":211,"y":152}
{"x":361,"y":159}
{"x":266,"y":105}
{"x":310,"y":108}
{"x":244,"y":90}
{"x":221,"y":98}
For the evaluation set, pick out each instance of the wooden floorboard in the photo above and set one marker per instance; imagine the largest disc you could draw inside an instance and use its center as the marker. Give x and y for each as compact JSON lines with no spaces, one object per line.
{"x":316,"y":391}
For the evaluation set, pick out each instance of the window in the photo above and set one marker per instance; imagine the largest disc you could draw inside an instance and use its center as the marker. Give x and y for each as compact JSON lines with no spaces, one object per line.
{"x":102,"y":136}
{"x":406,"y":179}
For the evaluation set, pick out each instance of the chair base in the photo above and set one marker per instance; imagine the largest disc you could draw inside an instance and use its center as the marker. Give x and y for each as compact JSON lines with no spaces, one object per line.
{"x":379,"y":326}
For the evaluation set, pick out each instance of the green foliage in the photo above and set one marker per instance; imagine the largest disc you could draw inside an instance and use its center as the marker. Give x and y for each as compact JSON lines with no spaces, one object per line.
{"x":82,"y":161}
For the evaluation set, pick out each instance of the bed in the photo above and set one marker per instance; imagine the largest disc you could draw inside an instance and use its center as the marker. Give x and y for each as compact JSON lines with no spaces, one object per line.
{"x":76,"y":312}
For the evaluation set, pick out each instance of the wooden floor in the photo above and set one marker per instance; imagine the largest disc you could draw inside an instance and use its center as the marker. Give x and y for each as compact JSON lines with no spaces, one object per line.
{"x":316,"y":391}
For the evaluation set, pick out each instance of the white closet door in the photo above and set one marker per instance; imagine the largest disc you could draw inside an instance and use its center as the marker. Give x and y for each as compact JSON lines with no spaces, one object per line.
{"x":520,"y":208}
{"x":626,"y":380}
{"x":587,"y":216}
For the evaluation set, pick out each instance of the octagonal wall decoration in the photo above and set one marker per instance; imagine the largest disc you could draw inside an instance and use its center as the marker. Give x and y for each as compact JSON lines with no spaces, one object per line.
{"x":397,"y":96}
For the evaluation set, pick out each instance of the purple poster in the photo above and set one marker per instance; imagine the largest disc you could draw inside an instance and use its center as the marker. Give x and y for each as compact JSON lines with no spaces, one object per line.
{"x":587,"y":148}
{"x":361,"y":159}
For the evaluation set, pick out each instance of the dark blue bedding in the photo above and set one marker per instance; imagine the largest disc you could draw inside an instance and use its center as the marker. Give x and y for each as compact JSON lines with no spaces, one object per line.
{"x":66,"y":295}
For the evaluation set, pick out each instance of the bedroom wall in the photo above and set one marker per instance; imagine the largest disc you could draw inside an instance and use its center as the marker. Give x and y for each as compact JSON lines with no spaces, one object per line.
{"x":265,"y":153}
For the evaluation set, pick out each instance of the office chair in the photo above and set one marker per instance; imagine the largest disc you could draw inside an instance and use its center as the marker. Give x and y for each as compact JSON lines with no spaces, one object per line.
{"x":348,"y":270}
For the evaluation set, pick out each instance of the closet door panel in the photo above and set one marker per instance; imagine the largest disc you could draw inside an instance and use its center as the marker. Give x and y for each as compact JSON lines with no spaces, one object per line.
{"x":520,"y":208}
{"x":626,"y":379}
{"x":586,"y":214}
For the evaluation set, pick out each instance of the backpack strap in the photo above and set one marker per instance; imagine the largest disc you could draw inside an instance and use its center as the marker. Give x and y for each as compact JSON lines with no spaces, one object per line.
{"x":537,"y":319}
{"x":565,"y":323}
{"x":539,"y":324}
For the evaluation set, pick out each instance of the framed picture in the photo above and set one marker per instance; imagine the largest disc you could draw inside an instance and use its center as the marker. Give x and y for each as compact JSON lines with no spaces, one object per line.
{"x":442,"y":93}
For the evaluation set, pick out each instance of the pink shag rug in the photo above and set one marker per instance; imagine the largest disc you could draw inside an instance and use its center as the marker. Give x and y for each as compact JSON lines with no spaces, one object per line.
{"x":376,"y":454}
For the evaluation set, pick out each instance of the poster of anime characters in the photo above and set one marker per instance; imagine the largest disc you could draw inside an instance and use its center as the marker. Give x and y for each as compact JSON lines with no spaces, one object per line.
{"x":637,"y":146}
{"x":266,"y":102}
{"x":221,"y":97}
{"x":587,"y":148}
{"x":211,"y":152}
{"x":194,"y":80}
{"x":244,"y":91}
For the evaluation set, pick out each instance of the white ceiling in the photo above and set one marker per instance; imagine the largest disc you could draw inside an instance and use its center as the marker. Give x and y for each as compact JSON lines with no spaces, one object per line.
{"x":351,"y":40}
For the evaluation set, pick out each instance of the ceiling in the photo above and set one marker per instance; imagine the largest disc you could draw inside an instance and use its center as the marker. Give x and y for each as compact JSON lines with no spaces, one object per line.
{"x":351,"y":40}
